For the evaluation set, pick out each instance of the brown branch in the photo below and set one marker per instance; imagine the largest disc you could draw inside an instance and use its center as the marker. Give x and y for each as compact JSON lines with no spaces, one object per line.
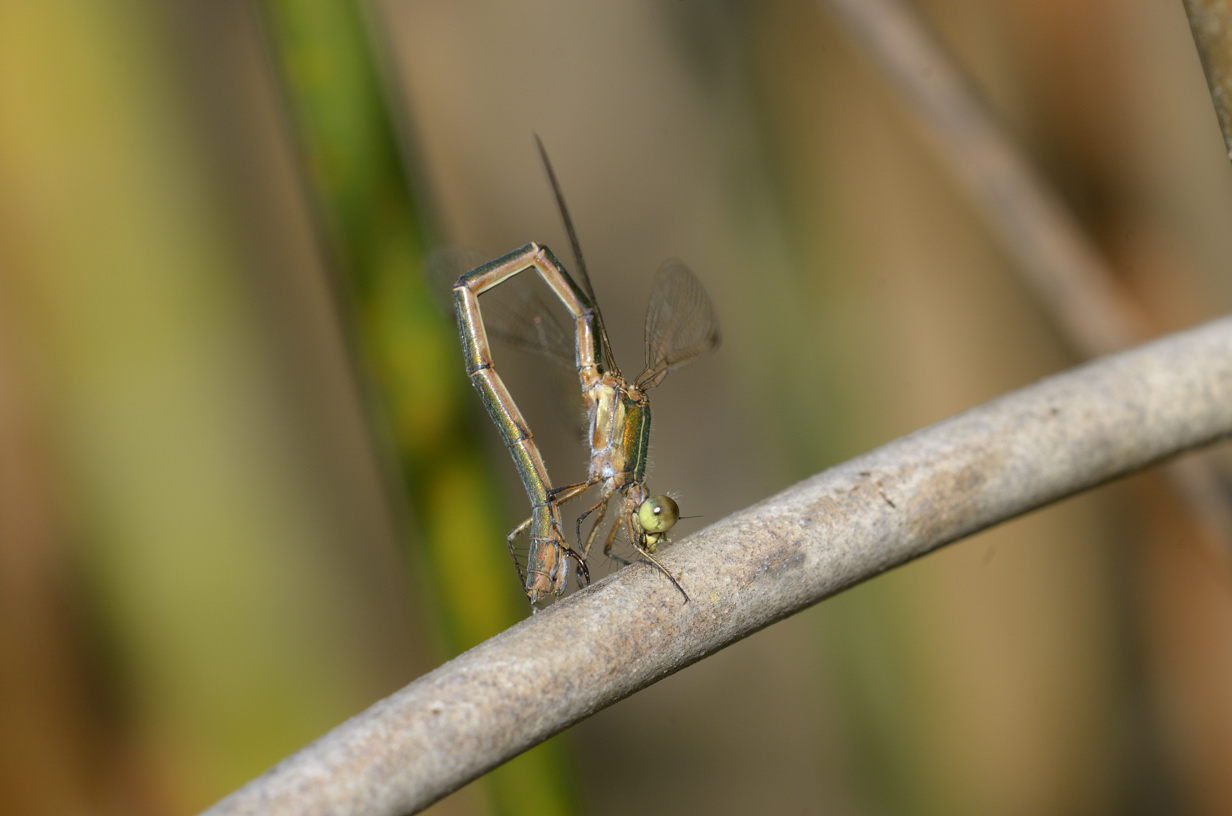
{"x":1089,"y":306}
{"x":1060,"y":436}
{"x":1069,"y":275}
{"x":1211,"y":24}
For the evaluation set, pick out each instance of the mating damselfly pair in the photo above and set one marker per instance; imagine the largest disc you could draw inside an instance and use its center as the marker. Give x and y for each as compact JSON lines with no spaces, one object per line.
{"x":680,"y":326}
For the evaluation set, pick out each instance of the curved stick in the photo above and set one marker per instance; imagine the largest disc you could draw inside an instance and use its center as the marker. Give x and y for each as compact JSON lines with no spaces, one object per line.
{"x":1062,"y":435}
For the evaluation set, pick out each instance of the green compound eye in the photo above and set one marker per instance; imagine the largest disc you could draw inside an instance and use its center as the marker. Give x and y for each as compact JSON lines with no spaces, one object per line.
{"x":657,"y":515}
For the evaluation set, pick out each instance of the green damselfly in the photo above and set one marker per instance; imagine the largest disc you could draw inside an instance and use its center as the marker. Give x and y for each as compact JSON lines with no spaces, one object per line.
{"x":680,"y":326}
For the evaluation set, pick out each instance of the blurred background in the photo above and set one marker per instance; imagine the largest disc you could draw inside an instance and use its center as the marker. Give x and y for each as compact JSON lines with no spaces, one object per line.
{"x":246,"y":490}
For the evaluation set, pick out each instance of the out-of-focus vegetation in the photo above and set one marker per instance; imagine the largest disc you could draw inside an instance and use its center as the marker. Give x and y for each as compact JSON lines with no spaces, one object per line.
{"x":364,"y":193}
{"x":232,"y":508}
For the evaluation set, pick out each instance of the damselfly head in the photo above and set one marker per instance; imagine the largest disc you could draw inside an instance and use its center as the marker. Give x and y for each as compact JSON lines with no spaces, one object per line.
{"x":657,"y":515}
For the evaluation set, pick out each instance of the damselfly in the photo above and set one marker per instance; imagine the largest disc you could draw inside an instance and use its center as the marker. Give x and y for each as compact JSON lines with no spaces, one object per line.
{"x":680,"y":326}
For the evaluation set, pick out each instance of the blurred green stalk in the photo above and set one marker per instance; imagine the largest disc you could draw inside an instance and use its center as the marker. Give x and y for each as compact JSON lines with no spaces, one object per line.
{"x":365,"y":204}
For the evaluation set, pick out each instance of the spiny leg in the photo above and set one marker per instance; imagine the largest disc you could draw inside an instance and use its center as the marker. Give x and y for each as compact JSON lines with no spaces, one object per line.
{"x":609,"y":541}
{"x":582,"y":570}
{"x":663,"y":570}
{"x":637,"y":545}
{"x":559,"y":496}
{"x":513,"y":534}
{"x":601,"y":506}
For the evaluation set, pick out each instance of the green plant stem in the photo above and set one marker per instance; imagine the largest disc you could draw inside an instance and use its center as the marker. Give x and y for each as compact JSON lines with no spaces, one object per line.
{"x":366,"y":207}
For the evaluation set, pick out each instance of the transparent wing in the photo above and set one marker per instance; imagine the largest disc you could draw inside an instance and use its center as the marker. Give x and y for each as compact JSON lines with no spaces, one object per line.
{"x":583,"y":277}
{"x":517,"y":312}
{"x":680,"y":322}
{"x":441,"y":269}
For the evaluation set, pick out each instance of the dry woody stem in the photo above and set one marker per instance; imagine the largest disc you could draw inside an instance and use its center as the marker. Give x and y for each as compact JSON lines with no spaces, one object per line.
{"x":1070,"y":277}
{"x":1089,"y":306}
{"x":1211,"y":24}
{"x":1050,"y":440}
